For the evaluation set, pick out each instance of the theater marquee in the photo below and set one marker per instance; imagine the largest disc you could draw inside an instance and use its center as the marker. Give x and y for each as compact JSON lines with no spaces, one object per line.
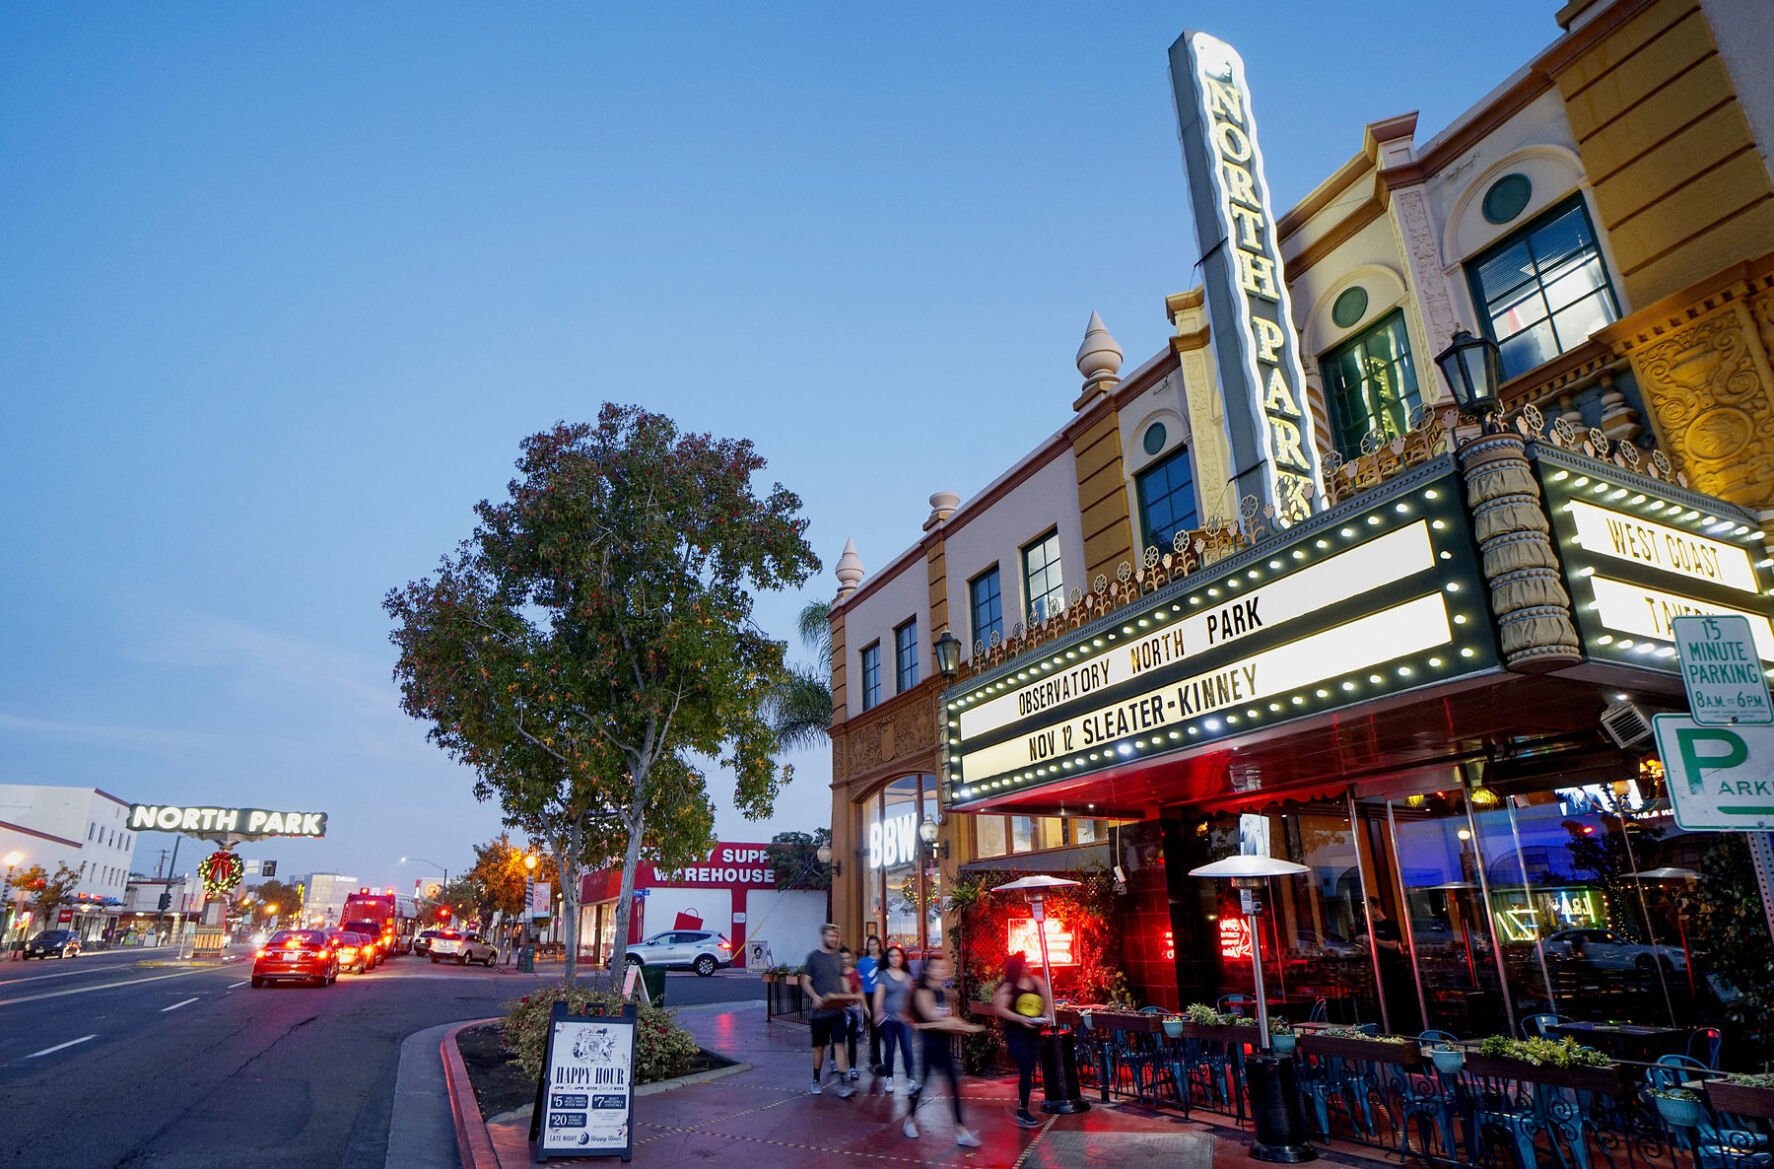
{"x":1385,"y":599}
{"x":1638,"y":553}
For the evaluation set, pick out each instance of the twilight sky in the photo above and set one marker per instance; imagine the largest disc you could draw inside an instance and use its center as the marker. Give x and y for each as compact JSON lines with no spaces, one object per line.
{"x":285,"y":285}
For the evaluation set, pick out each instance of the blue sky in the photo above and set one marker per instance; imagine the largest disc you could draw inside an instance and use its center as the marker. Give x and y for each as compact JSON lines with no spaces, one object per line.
{"x":286,"y":284}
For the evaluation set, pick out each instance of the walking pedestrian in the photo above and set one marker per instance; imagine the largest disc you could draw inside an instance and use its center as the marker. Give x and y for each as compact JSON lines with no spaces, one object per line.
{"x":867,"y":968}
{"x":892,"y":1015}
{"x":1025,"y":1004}
{"x":853,"y":1011}
{"x":822,"y":981}
{"x":933,"y":1014}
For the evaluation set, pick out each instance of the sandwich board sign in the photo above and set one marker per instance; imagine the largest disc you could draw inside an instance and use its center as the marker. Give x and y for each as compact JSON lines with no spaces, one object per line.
{"x":1722,"y":671}
{"x":585,"y":1096}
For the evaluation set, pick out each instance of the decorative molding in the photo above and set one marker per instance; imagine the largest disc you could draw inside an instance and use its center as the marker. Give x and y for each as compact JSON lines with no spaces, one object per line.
{"x":1422,"y":252}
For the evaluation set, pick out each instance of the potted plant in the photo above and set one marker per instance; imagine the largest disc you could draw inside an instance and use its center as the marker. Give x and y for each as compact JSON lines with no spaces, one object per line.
{"x":1353,"y":1043}
{"x":1744,"y":1095}
{"x":1173,"y":1026}
{"x":1680,"y":1107}
{"x":1282,"y":1037}
{"x":1448,"y":1060}
{"x":1560,"y":1063}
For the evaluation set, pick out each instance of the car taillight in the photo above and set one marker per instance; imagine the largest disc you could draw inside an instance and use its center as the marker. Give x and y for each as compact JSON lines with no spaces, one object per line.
{"x":724,"y":945}
{"x":260,"y":954}
{"x":348,"y":952}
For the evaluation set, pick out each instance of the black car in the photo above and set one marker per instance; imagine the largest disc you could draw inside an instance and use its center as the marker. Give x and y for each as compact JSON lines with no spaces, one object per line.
{"x":53,"y":944}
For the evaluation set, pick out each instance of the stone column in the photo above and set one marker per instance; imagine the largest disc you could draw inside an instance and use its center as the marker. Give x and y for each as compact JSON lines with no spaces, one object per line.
{"x":1528,"y":596}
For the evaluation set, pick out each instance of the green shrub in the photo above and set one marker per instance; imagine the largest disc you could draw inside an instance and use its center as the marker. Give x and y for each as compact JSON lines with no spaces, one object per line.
{"x":662,"y":1049}
{"x":1751,"y":1079}
{"x":1550,"y":1053}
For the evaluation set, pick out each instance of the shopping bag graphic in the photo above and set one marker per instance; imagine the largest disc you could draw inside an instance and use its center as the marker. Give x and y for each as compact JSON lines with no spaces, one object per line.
{"x":688,"y":919}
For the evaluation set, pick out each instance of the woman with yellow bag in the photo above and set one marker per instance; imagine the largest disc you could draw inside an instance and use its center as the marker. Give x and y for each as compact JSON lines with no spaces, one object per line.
{"x":1025,"y":1003}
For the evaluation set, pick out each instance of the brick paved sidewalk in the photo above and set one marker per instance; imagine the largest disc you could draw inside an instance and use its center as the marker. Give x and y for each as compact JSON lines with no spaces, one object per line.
{"x":766,"y":1117}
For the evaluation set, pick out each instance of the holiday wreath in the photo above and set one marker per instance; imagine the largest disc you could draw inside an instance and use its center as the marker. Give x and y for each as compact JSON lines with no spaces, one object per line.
{"x":221,"y":871}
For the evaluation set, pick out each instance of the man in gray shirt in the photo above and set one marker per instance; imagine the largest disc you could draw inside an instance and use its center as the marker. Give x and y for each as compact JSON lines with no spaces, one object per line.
{"x":822,"y":981}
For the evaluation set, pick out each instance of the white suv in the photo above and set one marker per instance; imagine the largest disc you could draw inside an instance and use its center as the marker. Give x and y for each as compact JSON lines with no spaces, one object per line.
{"x":703,"y":951}
{"x":464,"y":948}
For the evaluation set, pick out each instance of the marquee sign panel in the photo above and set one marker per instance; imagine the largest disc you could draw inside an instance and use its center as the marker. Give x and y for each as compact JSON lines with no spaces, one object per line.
{"x":1380,"y":597}
{"x":1638,"y":553}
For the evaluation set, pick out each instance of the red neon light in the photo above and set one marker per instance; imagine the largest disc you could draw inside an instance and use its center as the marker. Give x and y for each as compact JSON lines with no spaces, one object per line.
{"x":1170,"y":947}
{"x":1022,"y":939}
{"x":1234,"y":937}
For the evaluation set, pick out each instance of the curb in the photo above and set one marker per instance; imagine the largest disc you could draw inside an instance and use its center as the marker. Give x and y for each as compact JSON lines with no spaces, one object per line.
{"x":472,"y":1142}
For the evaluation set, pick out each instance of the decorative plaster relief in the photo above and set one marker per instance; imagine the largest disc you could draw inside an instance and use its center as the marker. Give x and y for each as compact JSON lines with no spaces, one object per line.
{"x":1709,"y":385}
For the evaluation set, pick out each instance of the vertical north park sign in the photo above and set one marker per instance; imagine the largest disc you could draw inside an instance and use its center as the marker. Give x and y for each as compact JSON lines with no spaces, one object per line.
{"x":1268,"y":424}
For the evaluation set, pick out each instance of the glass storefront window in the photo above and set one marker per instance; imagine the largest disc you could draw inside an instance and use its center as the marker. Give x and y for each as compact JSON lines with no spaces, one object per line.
{"x":1022,"y":834}
{"x":988,"y":836}
{"x":1087,"y":831}
{"x":901,"y":887}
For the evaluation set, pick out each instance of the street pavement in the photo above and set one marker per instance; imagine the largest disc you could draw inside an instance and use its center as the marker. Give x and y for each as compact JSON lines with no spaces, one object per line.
{"x":107,"y":1060}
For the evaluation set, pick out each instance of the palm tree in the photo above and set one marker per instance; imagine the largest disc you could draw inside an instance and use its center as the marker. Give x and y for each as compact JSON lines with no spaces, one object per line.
{"x":801,"y":710}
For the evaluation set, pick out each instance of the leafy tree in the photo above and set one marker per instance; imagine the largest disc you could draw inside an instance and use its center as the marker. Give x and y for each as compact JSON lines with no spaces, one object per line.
{"x":287,"y":897}
{"x":499,"y":874}
{"x":593,"y":636}
{"x":49,"y":892}
{"x":801,"y":707}
{"x":795,"y":857}
{"x":1730,"y":919}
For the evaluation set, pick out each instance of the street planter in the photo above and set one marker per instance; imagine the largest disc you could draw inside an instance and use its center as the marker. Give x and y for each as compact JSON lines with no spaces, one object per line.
{"x":1679,"y":1111}
{"x":1405,"y":1055}
{"x":1741,"y":1099}
{"x":1220,"y":1034}
{"x":1608,"y":1081}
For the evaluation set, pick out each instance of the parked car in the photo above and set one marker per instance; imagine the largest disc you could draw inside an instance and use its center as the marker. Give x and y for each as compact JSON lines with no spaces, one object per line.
{"x":53,"y":944}
{"x":464,"y":948}
{"x":296,"y":956}
{"x":703,"y":951}
{"x":1607,"y":950}
{"x":422,"y":943}
{"x":353,"y":950}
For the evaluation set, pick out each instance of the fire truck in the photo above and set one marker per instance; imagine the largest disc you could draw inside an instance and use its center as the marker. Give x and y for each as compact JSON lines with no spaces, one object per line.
{"x":383,"y":916}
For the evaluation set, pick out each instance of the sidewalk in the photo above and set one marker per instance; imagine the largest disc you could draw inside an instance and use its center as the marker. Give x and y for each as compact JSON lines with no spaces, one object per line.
{"x":764,"y":1116}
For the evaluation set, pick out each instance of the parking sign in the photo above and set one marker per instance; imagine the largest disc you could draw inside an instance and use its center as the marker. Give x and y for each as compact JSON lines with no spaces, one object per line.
{"x":1722,"y":671}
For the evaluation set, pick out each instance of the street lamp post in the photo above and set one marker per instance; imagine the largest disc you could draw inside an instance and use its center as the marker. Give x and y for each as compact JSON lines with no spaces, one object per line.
{"x":1274,"y":1091}
{"x":422,"y":860}
{"x":526,"y":958}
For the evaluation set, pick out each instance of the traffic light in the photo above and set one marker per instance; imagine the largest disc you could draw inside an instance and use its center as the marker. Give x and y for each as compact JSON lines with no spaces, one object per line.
{"x":165,"y":902}
{"x":269,"y":869}
{"x":443,"y":911}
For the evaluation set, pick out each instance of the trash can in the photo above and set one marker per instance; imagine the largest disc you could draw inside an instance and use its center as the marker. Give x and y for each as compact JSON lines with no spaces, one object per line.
{"x":526,"y":960}
{"x":654,"y":977}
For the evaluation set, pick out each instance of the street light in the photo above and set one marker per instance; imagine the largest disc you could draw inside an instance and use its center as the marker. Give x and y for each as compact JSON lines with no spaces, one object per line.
{"x":1274,"y":1093}
{"x":947,"y":650}
{"x":1474,"y":372}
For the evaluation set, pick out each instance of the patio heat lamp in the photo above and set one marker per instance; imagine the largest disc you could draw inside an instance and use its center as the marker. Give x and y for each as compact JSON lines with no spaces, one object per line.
{"x":1059,"y":1055}
{"x":1274,"y":1089}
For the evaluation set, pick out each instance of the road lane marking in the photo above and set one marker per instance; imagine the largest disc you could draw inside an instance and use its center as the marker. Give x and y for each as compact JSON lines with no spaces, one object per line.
{"x":59,"y":1046}
{"x":176,"y":1006}
{"x":56,"y":994}
{"x":235,"y":985}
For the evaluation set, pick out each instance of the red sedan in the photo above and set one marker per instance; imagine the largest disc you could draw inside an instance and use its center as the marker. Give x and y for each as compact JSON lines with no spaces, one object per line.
{"x":298,"y":956}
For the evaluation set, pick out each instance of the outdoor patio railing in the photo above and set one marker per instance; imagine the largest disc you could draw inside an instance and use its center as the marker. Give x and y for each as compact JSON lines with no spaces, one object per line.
{"x":1391,"y":1095}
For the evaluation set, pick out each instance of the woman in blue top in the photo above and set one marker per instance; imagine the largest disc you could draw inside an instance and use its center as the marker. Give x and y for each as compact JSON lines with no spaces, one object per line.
{"x":866,"y":967}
